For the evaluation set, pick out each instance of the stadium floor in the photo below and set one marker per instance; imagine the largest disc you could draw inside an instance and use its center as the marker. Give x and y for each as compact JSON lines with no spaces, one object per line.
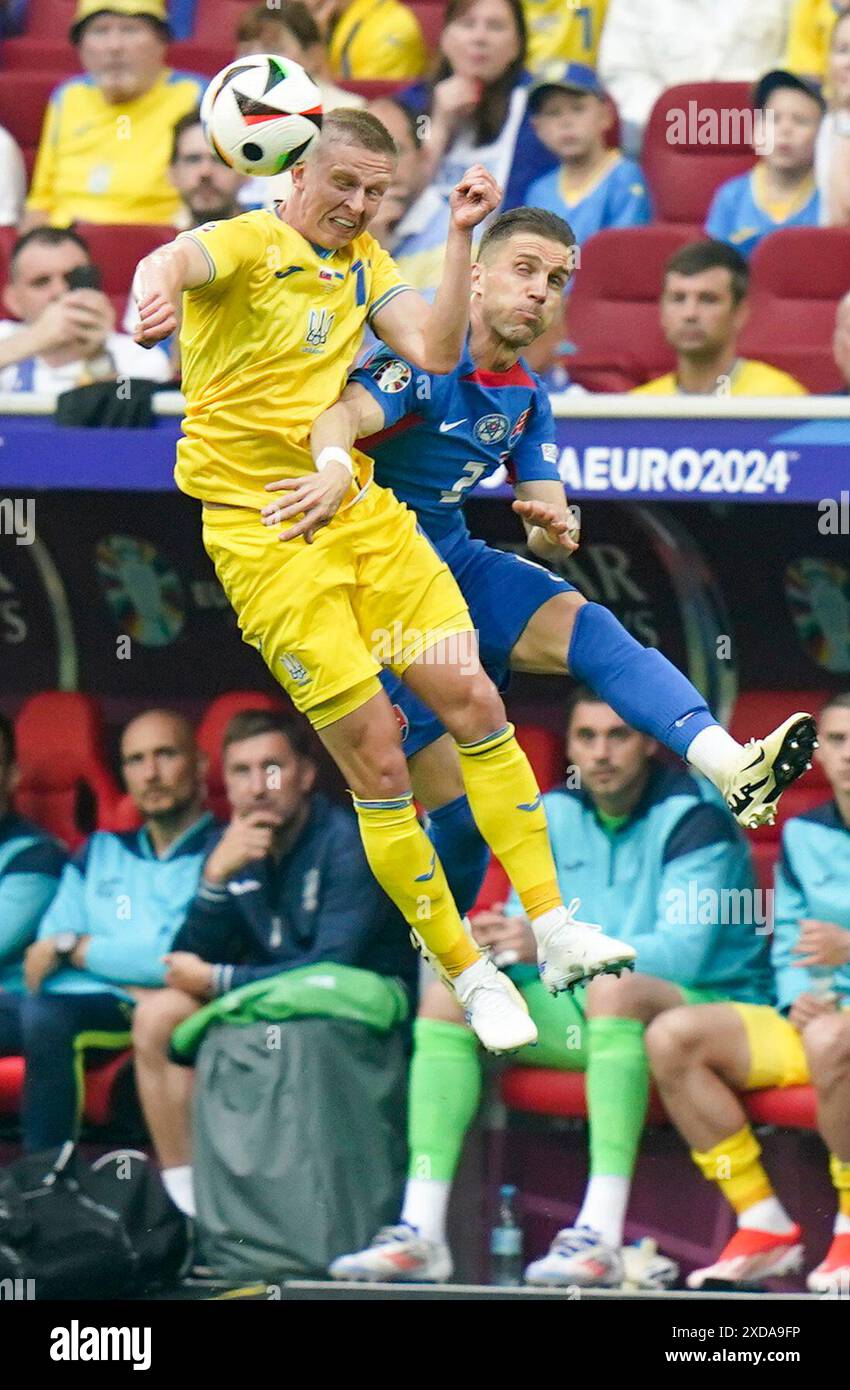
{"x":313,"y":1290}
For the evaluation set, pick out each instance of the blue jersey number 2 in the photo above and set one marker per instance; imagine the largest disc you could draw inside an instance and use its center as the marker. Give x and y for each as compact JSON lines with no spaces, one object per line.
{"x":469,"y":477}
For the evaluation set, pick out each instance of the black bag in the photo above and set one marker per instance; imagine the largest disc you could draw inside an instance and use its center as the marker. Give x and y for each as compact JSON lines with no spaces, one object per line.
{"x":78,"y":1231}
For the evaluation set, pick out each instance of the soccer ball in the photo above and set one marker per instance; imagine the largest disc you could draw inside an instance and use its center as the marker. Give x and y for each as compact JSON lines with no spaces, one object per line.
{"x":261,"y":114}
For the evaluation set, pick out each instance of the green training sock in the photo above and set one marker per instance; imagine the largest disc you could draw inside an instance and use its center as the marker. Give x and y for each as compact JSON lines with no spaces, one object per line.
{"x":617,"y":1094}
{"x":445,"y":1088}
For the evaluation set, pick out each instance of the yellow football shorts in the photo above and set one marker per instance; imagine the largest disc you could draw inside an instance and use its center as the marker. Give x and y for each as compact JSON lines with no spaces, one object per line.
{"x":777,"y":1055}
{"x":370,"y":591}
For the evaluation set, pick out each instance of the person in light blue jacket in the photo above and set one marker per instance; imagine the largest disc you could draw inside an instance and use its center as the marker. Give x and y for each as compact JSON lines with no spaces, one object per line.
{"x":30,"y":865}
{"x":118,"y":908}
{"x":704,"y":1057}
{"x":650,"y":849}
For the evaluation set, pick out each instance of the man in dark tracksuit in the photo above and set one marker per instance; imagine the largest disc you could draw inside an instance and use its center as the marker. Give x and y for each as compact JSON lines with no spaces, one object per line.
{"x":286,"y":885}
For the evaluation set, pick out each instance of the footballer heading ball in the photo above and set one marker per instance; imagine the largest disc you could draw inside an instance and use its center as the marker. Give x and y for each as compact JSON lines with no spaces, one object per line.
{"x":261,"y":114}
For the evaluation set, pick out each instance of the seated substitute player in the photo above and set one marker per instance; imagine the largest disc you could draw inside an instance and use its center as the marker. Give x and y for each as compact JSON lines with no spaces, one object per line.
{"x":703,"y":309}
{"x":433,"y":438}
{"x":102,"y":940}
{"x":285,"y":884}
{"x":780,"y":191}
{"x":636,"y":839}
{"x":31,"y":863}
{"x":702,"y":1056}
{"x":275,"y":304}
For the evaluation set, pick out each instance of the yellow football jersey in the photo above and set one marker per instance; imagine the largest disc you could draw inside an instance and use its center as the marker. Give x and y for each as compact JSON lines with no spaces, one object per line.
{"x":561,"y":30}
{"x":809,"y":34}
{"x":377,"y":39}
{"x":99,"y":162}
{"x":267,"y":344}
{"x":747,"y":379}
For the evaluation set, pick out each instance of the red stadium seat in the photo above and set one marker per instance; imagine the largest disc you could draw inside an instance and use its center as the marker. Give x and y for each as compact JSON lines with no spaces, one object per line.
{"x":60,"y":755}
{"x":100,"y":1086}
{"x":117,"y":249}
{"x":211,"y":731}
{"x":50,"y":18}
{"x":613,"y":308}
{"x":8,"y":237}
{"x":378,"y":87}
{"x":23,"y":99}
{"x":684,"y":177}
{"x":187,"y":55}
{"x":431,"y":15}
{"x":123,"y":816}
{"x":543,"y":1091}
{"x":545,"y":751}
{"x":216,"y":21}
{"x":798,"y":277}
{"x":38,"y":55}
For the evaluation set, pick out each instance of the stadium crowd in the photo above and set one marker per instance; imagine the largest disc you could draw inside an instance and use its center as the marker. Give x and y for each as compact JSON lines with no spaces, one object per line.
{"x":583,"y":110}
{"x":149,"y":926}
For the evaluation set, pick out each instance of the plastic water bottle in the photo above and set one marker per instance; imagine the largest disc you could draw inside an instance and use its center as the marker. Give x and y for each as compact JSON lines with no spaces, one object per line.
{"x":506,"y":1241}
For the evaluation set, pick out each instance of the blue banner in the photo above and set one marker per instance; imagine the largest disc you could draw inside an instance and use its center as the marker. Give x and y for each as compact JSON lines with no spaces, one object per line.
{"x":699,"y":460}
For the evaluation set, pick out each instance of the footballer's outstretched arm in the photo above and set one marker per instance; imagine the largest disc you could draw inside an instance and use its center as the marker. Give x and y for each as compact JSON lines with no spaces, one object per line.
{"x":318,"y":496}
{"x":159,"y":283}
{"x":431,"y":336}
{"x":550,"y":524}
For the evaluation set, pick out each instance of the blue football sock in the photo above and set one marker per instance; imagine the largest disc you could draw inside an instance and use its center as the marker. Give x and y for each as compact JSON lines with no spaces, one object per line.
{"x":638,"y":682}
{"x":461,"y":849}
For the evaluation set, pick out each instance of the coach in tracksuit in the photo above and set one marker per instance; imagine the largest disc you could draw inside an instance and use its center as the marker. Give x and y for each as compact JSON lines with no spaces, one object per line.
{"x":286,"y":884}
{"x":102,"y":940}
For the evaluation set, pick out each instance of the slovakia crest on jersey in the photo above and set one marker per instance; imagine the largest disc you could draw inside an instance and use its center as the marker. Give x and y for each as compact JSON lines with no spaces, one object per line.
{"x":491,"y":429}
{"x":519,"y":427}
{"x":393,"y":376}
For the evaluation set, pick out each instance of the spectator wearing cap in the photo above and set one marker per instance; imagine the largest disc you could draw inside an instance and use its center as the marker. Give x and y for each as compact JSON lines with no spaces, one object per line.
{"x":650,"y":45}
{"x":475,"y":100}
{"x":832,"y":152}
{"x":107,"y":136}
{"x":371,"y":39}
{"x":290,"y":32}
{"x":703,"y":309}
{"x":560,"y":32}
{"x":780,"y":191}
{"x":809,"y":33}
{"x":593,"y":186}
{"x":65,"y":335}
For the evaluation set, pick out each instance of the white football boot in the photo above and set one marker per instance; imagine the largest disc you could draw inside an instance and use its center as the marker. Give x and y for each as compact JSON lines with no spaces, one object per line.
{"x":495,"y":1010}
{"x":767,"y":768}
{"x":569,"y":951}
{"x":578,"y":1257}
{"x":397,"y":1255}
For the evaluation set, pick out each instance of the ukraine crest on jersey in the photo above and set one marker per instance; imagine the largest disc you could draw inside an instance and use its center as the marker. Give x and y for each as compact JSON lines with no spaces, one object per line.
{"x":267,"y":343}
{"x":444,"y":434}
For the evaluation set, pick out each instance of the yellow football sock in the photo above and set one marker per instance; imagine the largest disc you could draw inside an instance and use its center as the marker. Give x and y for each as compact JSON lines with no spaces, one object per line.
{"x":734,"y":1165}
{"x":839,"y":1171}
{"x":405,"y":863}
{"x":508,"y":809}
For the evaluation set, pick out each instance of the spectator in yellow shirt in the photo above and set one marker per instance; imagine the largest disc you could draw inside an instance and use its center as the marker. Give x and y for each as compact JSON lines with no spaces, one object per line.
{"x":106,"y":141}
{"x":809,"y":33}
{"x":561,"y":31}
{"x":703,"y":309}
{"x":370,"y":39}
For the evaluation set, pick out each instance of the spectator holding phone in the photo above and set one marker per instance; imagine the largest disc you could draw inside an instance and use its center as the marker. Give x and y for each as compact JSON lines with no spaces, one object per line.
{"x":66,"y":334}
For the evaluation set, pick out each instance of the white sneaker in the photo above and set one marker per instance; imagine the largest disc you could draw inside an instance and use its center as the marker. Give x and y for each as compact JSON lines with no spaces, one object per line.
{"x":397,"y":1255}
{"x":569,"y":951}
{"x":495,"y":1010}
{"x":644,"y":1267}
{"x":768,"y":767}
{"x":578,"y":1256}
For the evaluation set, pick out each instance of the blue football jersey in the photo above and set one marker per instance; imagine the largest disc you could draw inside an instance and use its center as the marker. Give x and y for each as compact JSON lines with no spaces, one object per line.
{"x":444,"y":434}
